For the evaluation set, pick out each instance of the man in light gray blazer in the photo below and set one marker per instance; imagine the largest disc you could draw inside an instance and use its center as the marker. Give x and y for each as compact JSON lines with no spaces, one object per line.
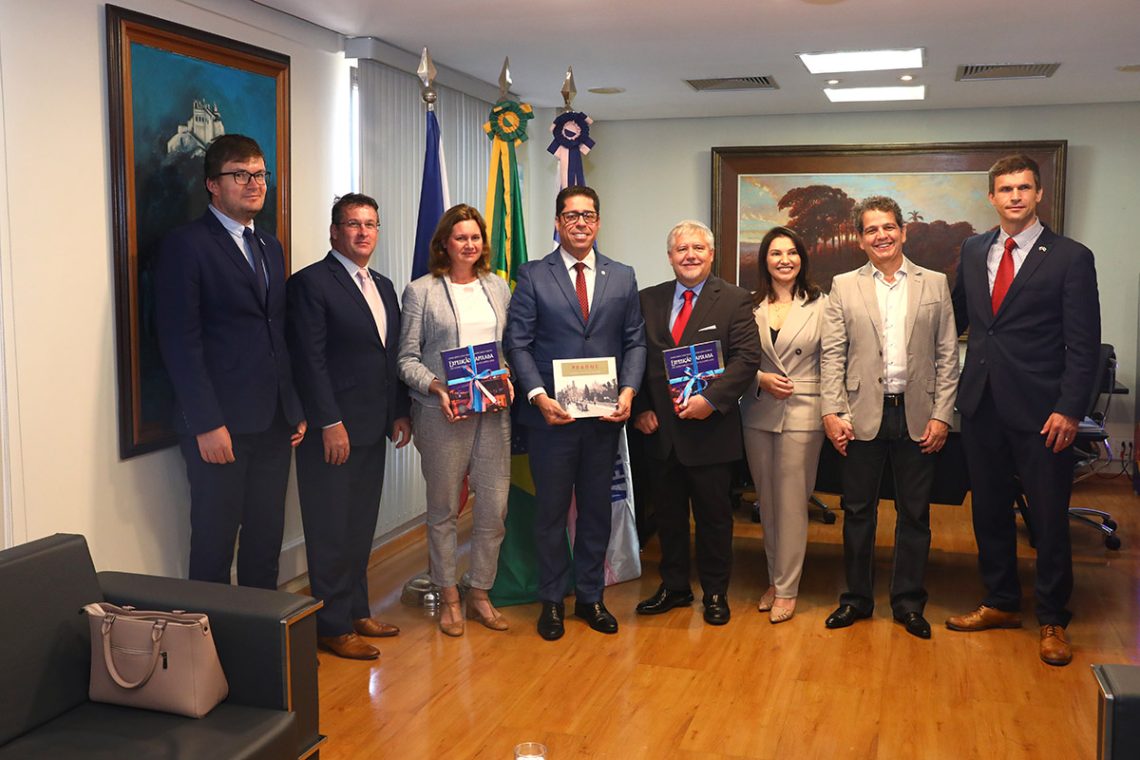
{"x":888,"y":380}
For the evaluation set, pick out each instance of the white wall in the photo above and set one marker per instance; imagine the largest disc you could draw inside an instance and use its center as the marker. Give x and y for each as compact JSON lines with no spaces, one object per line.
{"x":57,"y":267}
{"x":652,"y":174}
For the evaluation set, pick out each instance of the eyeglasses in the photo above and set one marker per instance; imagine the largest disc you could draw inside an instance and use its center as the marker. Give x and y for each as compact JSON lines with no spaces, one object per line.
{"x":242,"y":177}
{"x":572,"y":217}
{"x":356,"y":225}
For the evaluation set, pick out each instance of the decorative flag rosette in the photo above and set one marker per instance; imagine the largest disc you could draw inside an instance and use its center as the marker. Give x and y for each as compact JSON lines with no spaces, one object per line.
{"x":571,"y":141}
{"x":508,"y":121}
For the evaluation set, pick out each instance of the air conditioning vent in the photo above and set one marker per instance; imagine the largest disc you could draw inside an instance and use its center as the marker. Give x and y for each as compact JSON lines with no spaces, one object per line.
{"x":983,"y":72}
{"x":733,"y":83}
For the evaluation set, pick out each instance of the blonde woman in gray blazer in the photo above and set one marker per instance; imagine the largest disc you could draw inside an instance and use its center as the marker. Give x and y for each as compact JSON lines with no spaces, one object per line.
{"x":458,"y":303}
{"x":783,"y":433}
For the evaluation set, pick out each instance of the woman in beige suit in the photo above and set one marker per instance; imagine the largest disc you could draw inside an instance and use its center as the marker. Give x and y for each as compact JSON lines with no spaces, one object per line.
{"x":459,"y":303}
{"x":783,"y":432}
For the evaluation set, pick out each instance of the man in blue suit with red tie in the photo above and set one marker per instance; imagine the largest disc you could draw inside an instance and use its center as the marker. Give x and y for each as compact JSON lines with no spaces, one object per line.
{"x":573,"y":304}
{"x":220,"y":313}
{"x":1029,"y":297}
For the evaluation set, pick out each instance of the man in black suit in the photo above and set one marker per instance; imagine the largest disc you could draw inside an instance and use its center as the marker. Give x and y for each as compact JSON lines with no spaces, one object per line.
{"x":1030,"y":297}
{"x":696,"y":445}
{"x":573,"y":304}
{"x":344,"y":327}
{"x":220,"y":313}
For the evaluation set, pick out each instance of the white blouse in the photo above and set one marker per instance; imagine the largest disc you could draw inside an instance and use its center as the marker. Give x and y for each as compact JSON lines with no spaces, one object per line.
{"x":474,"y":313}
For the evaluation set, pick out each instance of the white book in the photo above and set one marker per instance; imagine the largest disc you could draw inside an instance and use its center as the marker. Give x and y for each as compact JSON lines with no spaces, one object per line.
{"x":586,"y":387}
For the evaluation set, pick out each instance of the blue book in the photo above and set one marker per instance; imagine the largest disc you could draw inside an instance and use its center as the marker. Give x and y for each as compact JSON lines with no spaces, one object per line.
{"x":689,"y":369}
{"x":476,"y":379}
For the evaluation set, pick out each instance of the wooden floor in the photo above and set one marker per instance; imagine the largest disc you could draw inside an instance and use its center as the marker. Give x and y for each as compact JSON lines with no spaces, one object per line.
{"x":672,"y":687}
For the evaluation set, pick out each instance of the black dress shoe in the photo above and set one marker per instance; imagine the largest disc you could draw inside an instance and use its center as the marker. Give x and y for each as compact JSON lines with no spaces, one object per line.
{"x":596,"y":614}
{"x":664,"y":600}
{"x":915,"y":624}
{"x":550,"y":626}
{"x":845,"y":616}
{"x":716,"y":609}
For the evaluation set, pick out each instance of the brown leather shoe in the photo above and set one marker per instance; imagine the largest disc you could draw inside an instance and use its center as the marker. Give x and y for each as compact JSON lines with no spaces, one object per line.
{"x":1055,"y":648}
{"x":373,"y":627}
{"x":983,"y":619}
{"x":349,"y":646}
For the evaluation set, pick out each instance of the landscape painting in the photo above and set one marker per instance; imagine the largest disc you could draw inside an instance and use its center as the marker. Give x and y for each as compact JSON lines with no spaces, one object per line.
{"x":939,"y":210}
{"x":942,"y":189}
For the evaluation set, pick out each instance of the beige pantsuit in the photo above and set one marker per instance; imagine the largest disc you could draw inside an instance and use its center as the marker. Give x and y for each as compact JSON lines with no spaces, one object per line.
{"x":783,"y":437}
{"x":479,"y":446}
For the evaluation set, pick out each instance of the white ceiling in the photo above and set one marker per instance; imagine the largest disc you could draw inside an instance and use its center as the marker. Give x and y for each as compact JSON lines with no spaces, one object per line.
{"x":649,"y":48}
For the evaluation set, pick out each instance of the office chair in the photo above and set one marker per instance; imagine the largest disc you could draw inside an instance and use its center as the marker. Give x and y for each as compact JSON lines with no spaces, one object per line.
{"x":1091,"y":436}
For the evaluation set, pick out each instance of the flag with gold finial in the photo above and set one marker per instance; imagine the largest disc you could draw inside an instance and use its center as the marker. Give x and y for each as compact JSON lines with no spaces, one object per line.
{"x":516,"y":581}
{"x":507,"y":129}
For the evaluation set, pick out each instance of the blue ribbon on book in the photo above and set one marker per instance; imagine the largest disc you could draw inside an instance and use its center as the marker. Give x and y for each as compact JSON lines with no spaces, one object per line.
{"x":475,"y":389}
{"x":695,"y":382}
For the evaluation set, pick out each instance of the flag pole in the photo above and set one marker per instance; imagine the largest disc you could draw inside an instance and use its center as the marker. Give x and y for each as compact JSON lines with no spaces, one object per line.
{"x":419,"y":590}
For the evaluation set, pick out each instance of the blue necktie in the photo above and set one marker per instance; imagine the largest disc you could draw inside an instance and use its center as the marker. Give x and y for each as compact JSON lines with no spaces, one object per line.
{"x":258,"y":262}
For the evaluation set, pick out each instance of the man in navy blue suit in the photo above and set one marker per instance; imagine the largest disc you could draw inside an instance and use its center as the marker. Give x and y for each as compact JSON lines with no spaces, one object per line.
{"x":220,"y":313}
{"x":573,"y":304}
{"x":343,"y":330}
{"x":1029,"y":297}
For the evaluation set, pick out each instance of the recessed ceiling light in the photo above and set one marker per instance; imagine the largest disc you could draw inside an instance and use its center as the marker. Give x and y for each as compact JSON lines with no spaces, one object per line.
{"x":873,"y":94}
{"x":833,"y":81}
{"x":906,"y":78}
{"x":606,"y":90}
{"x":861,"y":60}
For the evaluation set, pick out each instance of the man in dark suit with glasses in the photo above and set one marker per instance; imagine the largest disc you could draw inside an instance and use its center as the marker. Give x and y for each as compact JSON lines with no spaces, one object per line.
{"x":220,"y":313}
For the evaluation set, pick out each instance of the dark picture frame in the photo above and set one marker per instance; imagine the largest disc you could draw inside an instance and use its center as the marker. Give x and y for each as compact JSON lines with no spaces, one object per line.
{"x":172,"y":89}
{"x":819,"y":181}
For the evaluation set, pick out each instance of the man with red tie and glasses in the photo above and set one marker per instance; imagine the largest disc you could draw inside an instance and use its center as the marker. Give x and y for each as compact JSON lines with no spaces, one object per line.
{"x":573,"y":303}
{"x":1030,"y":299}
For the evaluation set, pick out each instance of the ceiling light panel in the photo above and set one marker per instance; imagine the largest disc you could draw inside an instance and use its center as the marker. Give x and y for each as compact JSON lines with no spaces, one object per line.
{"x":874,"y":94}
{"x":861,"y":60}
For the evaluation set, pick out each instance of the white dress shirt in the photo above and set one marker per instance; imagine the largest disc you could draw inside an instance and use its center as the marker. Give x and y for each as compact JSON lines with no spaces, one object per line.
{"x":892,"y":297}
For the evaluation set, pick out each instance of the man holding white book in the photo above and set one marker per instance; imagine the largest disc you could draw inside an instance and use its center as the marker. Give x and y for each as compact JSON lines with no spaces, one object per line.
{"x":695,"y":437}
{"x":573,"y":304}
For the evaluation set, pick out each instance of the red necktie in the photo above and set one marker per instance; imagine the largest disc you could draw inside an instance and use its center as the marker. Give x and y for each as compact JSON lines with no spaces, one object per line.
{"x":683,"y":317}
{"x":1004,"y":276}
{"x":580,"y":286}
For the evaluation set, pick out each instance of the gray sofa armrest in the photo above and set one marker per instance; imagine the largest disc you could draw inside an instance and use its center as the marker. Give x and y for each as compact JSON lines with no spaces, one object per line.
{"x":266,"y":640}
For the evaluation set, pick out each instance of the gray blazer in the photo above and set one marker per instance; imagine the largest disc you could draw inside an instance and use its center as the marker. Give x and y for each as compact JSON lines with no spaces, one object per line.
{"x":429,"y":324}
{"x":795,"y":355}
{"x":851,"y":351}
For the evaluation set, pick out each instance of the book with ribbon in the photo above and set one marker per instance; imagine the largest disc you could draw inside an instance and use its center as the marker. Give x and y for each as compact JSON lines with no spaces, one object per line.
{"x":586,"y":387}
{"x":476,"y":379}
{"x":690,"y":369}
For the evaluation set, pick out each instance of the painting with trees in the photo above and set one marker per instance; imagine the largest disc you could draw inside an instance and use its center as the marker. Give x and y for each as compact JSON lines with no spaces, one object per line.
{"x":943,"y":190}
{"x":940,"y":211}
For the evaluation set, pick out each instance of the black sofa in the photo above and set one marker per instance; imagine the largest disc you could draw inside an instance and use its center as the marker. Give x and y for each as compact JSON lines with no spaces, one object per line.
{"x":266,"y":641}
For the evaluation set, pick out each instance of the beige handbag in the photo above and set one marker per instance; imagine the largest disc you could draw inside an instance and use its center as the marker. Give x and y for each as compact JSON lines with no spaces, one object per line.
{"x":154,"y":660}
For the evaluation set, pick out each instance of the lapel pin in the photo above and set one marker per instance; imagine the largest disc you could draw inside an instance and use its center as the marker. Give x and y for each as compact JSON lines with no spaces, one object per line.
{"x":1041,"y":248}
